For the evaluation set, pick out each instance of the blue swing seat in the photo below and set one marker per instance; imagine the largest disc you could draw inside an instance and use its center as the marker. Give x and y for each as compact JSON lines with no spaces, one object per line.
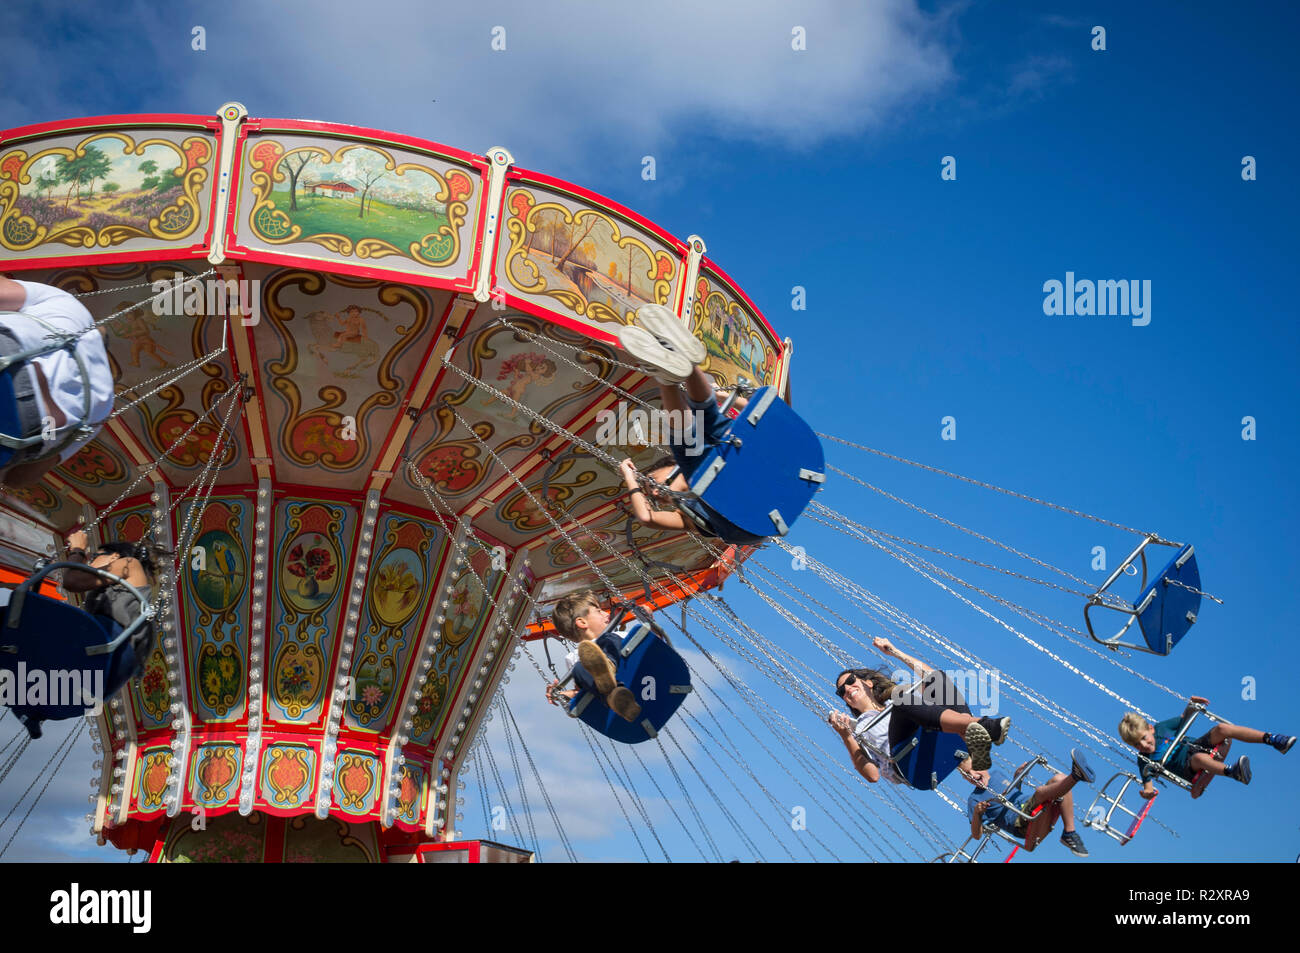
{"x":9,"y":422}
{"x":1165,"y":612}
{"x":654,"y":673}
{"x":764,"y":472}
{"x":58,"y":639}
{"x":925,"y":758}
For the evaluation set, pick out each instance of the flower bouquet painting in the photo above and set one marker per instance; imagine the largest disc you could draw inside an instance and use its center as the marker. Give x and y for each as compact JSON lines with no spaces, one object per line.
{"x":312,"y":561}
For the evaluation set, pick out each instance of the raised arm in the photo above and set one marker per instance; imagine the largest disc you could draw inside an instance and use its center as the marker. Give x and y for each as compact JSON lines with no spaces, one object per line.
{"x":916,"y":665}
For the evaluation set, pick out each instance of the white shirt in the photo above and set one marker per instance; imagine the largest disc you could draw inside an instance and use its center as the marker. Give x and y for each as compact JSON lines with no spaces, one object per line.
{"x":49,"y":310}
{"x":571,"y":659}
{"x":876,"y":741}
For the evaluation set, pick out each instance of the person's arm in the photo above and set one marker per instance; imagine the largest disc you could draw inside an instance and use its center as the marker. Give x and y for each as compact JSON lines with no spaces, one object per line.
{"x":917,"y":666}
{"x":12,"y":295}
{"x":1193,"y":702}
{"x":977,"y":819}
{"x":862,"y":762}
{"x":74,"y":581}
{"x":664,"y":519}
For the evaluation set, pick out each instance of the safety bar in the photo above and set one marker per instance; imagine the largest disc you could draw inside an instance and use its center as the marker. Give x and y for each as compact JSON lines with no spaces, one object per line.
{"x":1133,"y":612}
{"x":19,"y":599}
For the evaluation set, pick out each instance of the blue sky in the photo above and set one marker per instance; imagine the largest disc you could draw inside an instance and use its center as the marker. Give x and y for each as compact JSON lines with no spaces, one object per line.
{"x":821,"y":169}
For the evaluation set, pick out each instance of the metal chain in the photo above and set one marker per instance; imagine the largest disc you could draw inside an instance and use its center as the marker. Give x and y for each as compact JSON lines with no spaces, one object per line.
{"x":586,"y":734}
{"x":987,"y":486}
{"x":664,"y":797}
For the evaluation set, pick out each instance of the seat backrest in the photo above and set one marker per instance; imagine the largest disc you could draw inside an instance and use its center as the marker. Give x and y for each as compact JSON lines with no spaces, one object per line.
{"x":763,"y":485}
{"x":654,"y":673}
{"x":1167,"y":612}
{"x":931,"y":759}
{"x":10,"y":423}
{"x":52,"y":638}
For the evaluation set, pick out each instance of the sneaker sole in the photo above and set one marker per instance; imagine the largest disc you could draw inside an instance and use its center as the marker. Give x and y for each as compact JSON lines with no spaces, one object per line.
{"x":1243,"y":770}
{"x":662,"y":323}
{"x":623,"y":704}
{"x":979,"y":744}
{"x":653,"y":357}
{"x":1288,"y":746}
{"x":1081,"y":769}
{"x":597,"y":665}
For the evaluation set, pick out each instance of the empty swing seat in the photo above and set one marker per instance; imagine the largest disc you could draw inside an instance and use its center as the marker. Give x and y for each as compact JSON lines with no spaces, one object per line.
{"x":764,"y":472}
{"x":654,"y":673}
{"x":1166,"y":608}
{"x":1167,"y":612}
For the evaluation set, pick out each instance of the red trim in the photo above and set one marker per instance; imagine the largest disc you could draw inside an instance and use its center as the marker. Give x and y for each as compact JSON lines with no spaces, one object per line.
{"x":92,"y":122}
{"x":264,"y":125}
{"x":1137,"y":821}
{"x":518,"y":176}
{"x":405,"y":403}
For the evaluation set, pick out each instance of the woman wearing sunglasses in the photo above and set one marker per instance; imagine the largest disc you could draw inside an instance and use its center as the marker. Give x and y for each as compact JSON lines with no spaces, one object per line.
{"x":933,"y":703}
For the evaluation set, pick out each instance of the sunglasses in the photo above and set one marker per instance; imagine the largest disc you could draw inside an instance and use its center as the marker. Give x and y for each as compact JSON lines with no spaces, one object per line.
{"x":851,"y":680}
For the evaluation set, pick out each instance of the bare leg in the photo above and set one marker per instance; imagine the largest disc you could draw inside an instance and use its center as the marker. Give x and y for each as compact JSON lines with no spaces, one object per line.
{"x":698,"y":387}
{"x":670,"y":398}
{"x":1058,"y":786}
{"x":954,"y":722}
{"x":1205,"y":762}
{"x":1041,"y":826}
{"x":1222,"y":732}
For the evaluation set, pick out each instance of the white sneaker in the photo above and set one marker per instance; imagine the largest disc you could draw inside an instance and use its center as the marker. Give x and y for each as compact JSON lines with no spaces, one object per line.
{"x":664,"y":365}
{"x":671,"y":331}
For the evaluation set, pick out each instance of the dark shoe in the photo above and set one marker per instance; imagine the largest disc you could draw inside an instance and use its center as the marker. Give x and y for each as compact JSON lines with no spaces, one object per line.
{"x":598,"y":666}
{"x":1081,"y":771}
{"x":623,"y":703}
{"x":1241,"y":770}
{"x":1283,"y":744}
{"x":979,"y":744}
{"x":998,"y":728}
{"x":1072,"y":840}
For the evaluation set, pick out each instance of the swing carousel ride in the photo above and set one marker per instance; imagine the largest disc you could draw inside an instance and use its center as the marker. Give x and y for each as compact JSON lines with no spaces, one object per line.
{"x":371,"y":399}
{"x":347,"y":444}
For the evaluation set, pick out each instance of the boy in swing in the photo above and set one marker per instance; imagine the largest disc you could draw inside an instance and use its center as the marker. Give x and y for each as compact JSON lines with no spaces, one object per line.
{"x":579,"y":618}
{"x":1190,"y":756}
{"x":47,"y":394}
{"x":667,"y":350}
{"x":1054,"y":797}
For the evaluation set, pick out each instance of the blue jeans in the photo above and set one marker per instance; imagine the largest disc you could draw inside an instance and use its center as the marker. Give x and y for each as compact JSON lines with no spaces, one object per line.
{"x":702,"y":438}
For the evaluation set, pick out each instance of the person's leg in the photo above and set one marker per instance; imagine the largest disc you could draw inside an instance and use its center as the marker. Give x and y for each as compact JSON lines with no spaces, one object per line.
{"x":1221,"y":732}
{"x":1206,"y":762}
{"x":671,"y":399}
{"x":1059,"y":786}
{"x":699,"y":386}
{"x":1040,"y":826}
